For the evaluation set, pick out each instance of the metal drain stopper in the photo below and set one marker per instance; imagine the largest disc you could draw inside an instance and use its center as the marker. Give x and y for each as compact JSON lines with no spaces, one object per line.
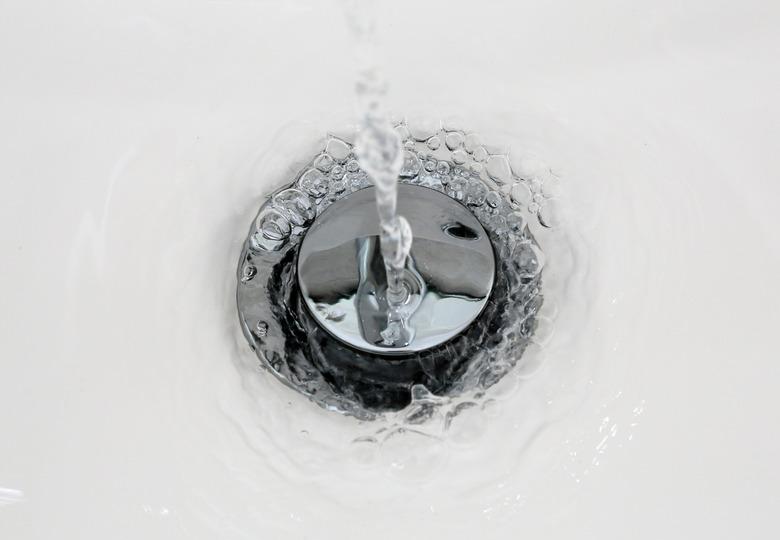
{"x":449,"y":274}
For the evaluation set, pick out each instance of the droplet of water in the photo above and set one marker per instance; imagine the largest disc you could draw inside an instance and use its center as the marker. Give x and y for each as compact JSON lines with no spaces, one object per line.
{"x":295,"y":205}
{"x":323,"y":162}
{"x":454,"y":140}
{"x":274,"y":225}
{"x":411,"y":165}
{"x":403,"y":132}
{"x":431,"y":182}
{"x":476,"y":193}
{"x":314,"y":183}
{"x":273,"y":229}
{"x":472,"y":142}
{"x":455,"y":188}
{"x":521,"y":195}
{"x":527,"y":167}
{"x":529,"y":260}
{"x":434,"y":143}
{"x":248,"y":272}
{"x":549,"y":214}
{"x":338,"y":149}
{"x":261,"y":329}
{"x":258,"y":242}
{"x":459,"y":156}
{"x":498,"y":168}
{"x":443,"y":168}
{"x":423,"y":128}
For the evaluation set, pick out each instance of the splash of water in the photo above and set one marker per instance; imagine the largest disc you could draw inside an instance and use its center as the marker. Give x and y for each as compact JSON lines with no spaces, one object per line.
{"x":380,"y":154}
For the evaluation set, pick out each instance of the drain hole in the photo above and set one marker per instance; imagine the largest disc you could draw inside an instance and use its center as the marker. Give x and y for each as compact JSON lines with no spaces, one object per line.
{"x":461,"y":231}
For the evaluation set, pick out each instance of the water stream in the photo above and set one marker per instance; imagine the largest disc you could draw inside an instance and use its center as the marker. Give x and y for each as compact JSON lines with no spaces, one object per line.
{"x":380,"y":154}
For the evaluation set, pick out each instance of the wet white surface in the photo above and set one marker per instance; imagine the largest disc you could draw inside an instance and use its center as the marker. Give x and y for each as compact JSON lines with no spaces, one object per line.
{"x":132,"y":162}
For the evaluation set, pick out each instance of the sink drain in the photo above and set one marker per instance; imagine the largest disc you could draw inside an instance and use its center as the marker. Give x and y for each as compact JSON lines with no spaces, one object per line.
{"x":308,"y":304}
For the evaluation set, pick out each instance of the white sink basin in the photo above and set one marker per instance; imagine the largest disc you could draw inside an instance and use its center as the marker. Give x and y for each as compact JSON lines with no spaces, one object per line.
{"x":134,"y":152}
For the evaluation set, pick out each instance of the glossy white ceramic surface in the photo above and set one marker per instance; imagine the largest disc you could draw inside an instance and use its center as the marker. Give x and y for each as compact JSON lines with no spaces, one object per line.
{"x":132,"y":146}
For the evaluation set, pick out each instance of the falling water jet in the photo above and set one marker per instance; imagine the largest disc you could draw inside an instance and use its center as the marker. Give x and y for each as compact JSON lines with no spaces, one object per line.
{"x":380,"y":154}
